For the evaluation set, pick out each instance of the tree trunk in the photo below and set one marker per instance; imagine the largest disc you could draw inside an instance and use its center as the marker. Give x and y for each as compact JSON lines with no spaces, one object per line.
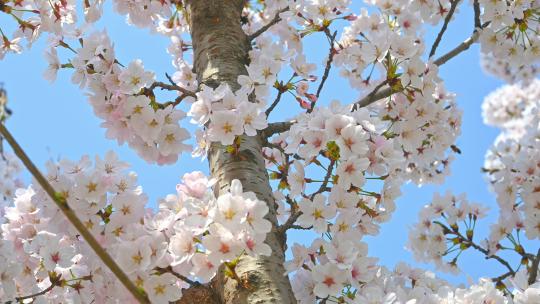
{"x":220,"y":49}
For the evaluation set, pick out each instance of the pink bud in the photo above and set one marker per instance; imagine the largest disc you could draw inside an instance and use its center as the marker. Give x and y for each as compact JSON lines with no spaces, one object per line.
{"x":311,"y":97}
{"x":303,"y":103}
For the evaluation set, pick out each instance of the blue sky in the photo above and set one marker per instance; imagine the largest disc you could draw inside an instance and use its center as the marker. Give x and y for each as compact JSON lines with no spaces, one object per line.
{"x":53,"y":121}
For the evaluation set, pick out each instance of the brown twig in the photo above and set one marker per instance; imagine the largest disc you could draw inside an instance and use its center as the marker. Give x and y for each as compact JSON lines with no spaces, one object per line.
{"x":477,"y":21}
{"x":331,"y":54}
{"x":272,"y":22}
{"x":453,"y":6}
{"x":502,"y":277}
{"x":171,"y":87}
{"x":533,"y":272}
{"x":54,"y":283}
{"x":274,"y":104}
{"x":326,"y":179}
{"x":61,"y":202}
{"x":276,"y":127}
{"x":290,"y":221}
{"x":472,"y":244}
{"x":374,"y":96}
{"x":169,"y":269}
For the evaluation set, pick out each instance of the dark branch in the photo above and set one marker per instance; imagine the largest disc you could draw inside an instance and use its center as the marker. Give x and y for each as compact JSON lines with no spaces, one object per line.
{"x":274,"y":104}
{"x":169,"y":269}
{"x":326,"y":179}
{"x":290,"y":221}
{"x":331,"y":54}
{"x":502,"y":277}
{"x":276,"y":127}
{"x":374,"y":95}
{"x":61,"y":203}
{"x":54,"y":283}
{"x":533,"y":272}
{"x":171,"y":87}
{"x":477,"y":21}
{"x":468,"y":242}
{"x":263,"y":29}
{"x":453,"y":5}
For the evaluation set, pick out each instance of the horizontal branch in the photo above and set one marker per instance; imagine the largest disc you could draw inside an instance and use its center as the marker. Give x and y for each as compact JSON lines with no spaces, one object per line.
{"x":276,"y":128}
{"x":171,"y":87}
{"x":61,"y":202}
{"x":56,"y":282}
{"x":169,"y":269}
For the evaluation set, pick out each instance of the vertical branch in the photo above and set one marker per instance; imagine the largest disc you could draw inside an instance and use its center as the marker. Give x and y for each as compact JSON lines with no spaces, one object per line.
{"x":533,"y":272}
{"x":220,"y":48}
{"x":453,"y":6}
{"x":61,"y":203}
{"x":477,"y":21}
{"x":331,"y":54}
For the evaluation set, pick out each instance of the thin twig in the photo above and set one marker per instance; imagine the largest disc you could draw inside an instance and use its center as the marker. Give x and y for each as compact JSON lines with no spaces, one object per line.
{"x":263,"y":29}
{"x":296,"y":214}
{"x":54,"y":283}
{"x":465,"y":45}
{"x":61,"y":202}
{"x":331,"y":54}
{"x":502,"y":277}
{"x":533,"y":272}
{"x":169,"y":269}
{"x":57,"y":281}
{"x":326,"y":179}
{"x":373,"y":96}
{"x":274,"y":104}
{"x":477,"y":21}
{"x":171,"y":87}
{"x":466,"y":241}
{"x":453,"y":5}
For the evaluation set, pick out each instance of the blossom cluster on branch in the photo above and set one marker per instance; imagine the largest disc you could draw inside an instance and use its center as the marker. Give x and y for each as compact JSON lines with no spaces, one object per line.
{"x":190,"y":234}
{"x":10,"y":168}
{"x":338,"y":166}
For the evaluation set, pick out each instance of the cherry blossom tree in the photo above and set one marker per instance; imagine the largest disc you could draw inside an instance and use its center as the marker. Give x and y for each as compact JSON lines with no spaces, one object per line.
{"x":80,"y":232}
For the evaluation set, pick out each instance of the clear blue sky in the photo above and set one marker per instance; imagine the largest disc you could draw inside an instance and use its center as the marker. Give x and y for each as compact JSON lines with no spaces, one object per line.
{"x":52,"y":121}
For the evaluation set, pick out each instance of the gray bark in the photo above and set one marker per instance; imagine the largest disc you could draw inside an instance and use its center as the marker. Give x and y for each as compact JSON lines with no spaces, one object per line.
{"x":220,"y":54}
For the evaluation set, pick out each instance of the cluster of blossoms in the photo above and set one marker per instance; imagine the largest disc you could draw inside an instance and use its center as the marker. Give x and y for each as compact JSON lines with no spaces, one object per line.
{"x":190,"y":234}
{"x":404,"y":285}
{"x":120,"y":97}
{"x":363,"y":155}
{"x":513,"y":162}
{"x":445,"y":226}
{"x":501,"y":68}
{"x":326,"y":268}
{"x":10,"y":167}
{"x":406,"y":141}
{"x":511,"y":35}
{"x":389,"y":41}
{"x":228,"y":114}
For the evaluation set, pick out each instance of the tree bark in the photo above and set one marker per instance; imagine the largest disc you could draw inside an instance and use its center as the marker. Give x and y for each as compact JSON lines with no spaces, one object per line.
{"x":220,"y":49}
